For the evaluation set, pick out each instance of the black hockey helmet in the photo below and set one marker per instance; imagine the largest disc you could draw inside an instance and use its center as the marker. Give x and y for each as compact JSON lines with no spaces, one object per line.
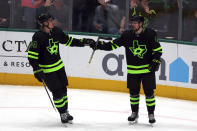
{"x":137,"y":18}
{"x":43,"y":18}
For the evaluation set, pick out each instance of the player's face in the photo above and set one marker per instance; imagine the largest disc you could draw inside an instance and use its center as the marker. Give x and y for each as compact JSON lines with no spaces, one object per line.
{"x":51,"y":23}
{"x":135,"y":25}
{"x":102,"y":2}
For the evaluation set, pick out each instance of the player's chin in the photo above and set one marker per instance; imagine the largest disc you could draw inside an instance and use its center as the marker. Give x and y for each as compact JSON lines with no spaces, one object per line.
{"x":52,"y":26}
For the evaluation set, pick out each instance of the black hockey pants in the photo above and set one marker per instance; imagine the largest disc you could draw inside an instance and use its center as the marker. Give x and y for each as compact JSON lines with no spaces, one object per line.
{"x":148,"y":82}
{"x":57,"y":83}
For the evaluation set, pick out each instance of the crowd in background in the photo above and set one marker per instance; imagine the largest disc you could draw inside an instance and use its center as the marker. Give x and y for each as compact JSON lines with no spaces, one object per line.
{"x":103,"y":16}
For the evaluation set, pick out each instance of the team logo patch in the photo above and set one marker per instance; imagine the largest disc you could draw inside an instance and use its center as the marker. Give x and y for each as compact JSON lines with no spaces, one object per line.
{"x":53,"y":47}
{"x":138,"y":50}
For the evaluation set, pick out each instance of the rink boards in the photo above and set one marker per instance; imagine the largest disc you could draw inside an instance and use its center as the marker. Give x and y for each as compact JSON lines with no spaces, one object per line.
{"x":176,"y":78}
{"x":99,"y":84}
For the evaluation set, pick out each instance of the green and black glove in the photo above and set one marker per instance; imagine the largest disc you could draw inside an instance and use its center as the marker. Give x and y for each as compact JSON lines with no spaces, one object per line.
{"x":87,"y":41}
{"x":154,"y":65}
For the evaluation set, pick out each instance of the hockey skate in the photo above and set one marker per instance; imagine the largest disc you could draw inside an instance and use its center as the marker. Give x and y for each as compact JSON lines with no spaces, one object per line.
{"x":66,"y":117}
{"x":70,"y":118}
{"x":151,"y":119}
{"x":133,"y":118}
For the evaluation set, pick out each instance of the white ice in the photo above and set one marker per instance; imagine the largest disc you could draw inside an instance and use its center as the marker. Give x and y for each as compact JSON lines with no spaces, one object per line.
{"x":26,"y":108}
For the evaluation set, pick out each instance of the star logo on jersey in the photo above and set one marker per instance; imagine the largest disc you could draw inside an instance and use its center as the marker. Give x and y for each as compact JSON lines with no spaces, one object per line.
{"x":52,"y":48}
{"x":138,"y":50}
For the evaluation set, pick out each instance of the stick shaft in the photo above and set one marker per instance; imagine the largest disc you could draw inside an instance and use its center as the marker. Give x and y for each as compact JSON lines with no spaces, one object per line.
{"x":48,"y":95}
{"x":100,"y":37}
{"x":94,"y":50}
{"x":91,"y":56}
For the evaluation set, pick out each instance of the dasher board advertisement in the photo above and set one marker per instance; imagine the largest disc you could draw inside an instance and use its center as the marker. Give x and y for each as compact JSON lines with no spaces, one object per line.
{"x":178,"y":68}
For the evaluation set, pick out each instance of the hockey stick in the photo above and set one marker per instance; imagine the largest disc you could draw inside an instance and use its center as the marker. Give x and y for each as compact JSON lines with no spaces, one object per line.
{"x":100,"y":37}
{"x":94,"y":50}
{"x":48,"y":94}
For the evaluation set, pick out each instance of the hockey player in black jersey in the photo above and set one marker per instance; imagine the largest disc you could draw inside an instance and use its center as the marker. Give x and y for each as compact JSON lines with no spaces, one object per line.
{"x":44,"y":57}
{"x":143,"y":52}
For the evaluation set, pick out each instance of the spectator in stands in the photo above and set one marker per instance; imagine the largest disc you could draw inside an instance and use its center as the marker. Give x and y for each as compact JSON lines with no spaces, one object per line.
{"x":78,"y":7}
{"x":120,"y":3}
{"x":88,"y":13}
{"x":107,"y":18}
{"x":194,"y":25}
{"x":83,"y":14}
{"x":30,"y":12}
{"x":122,"y":6}
{"x":60,"y":12}
{"x":44,"y":9}
{"x":4,"y":14}
{"x":190,"y":21}
{"x":18,"y":16}
{"x":134,"y":4}
{"x":141,"y":7}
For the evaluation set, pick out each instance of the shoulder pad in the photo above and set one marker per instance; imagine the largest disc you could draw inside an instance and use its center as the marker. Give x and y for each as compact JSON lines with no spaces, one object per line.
{"x":150,"y":32}
{"x":127,"y":32}
{"x":56,"y":29}
{"x":38,"y":35}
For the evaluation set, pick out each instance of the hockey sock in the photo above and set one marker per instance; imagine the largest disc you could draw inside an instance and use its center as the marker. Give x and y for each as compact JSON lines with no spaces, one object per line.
{"x":150,"y":103}
{"x":61,"y":104}
{"x":134,"y":101}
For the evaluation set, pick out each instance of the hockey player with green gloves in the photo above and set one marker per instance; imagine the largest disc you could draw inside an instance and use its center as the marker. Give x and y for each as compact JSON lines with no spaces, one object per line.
{"x":143,"y":52}
{"x":44,"y":57}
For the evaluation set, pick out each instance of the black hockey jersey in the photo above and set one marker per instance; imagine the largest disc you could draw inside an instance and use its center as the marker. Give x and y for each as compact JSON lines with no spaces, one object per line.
{"x":140,"y":49}
{"x":43,"y":52}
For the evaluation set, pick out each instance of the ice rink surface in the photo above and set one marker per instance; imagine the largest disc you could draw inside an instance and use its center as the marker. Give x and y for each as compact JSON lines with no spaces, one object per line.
{"x":25,"y":108}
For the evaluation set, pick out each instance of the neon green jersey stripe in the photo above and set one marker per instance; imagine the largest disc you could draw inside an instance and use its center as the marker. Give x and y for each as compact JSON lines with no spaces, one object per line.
{"x":38,"y":71}
{"x":113,"y":48}
{"x":150,"y":100}
{"x":138,"y":71}
{"x":33,"y":57}
{"x":70,"y":41}
{"x":46,"y":66}
{"x":61,"y":100}
{"x":152,"y":104}
{"x":62,"y":105}
{"x":137,"y":67}
{"x":134,"y":103}
{"x":132,"y":98}
{"x":157,"y":49}
{"x":34,"y":53}
{"x":53,"y":69}
{"x":115,"y":44}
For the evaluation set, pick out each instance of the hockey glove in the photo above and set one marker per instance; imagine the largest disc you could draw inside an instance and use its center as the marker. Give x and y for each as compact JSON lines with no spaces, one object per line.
{"x":93,"y":45}
{"x":154,"y":65}
{"x":87,"y":42}
{"x":39,"y":76}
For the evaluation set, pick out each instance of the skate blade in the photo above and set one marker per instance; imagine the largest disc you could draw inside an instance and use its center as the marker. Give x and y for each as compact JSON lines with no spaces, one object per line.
{"x":152,"y":124}
{"x":70,"y":122}
{"x":133,"y":122}
{"x":67,"y":124}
